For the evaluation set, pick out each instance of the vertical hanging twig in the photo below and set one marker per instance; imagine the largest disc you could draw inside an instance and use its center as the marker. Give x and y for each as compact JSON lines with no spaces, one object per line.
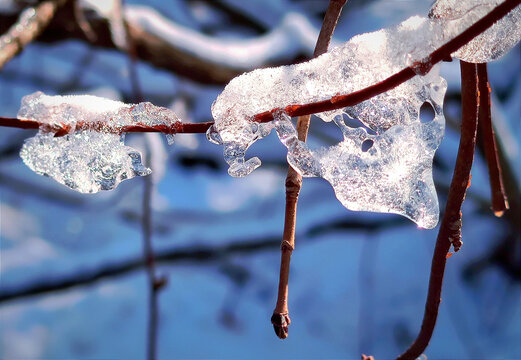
{"x":154,"y":283}
{"x":280,"y":318}
{"x":450,"y":228}
{"x":499,"y":199}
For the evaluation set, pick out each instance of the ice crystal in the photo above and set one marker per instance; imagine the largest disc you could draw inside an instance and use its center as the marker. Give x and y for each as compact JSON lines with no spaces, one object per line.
{"x":493,"y":43}
{"x":92,"y":156}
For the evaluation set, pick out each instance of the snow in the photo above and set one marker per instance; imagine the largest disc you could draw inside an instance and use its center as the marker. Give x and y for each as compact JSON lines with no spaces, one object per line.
{"x":294,"y":35}
{"x":395,"y":175}
{"x":397,"y":165}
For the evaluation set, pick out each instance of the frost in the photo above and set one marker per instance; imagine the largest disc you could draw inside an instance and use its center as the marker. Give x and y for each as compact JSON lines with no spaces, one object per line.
{"x":493,"y":43}
{"x":92,"y":156}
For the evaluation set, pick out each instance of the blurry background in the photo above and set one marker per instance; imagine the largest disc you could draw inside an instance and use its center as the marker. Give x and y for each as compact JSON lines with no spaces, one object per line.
{"x":73,"y":283}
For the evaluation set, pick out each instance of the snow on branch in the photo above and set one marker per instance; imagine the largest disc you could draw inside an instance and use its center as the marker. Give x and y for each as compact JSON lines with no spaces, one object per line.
{"x":29,"y":25}
{"x":386,"y":166}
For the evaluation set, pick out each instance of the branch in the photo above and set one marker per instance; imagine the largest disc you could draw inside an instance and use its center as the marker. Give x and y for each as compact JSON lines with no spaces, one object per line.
{"x":199,"y":254}
{"x":423,"y":67}
{"x":179,"y":49}
{"x":280,"y":318}
{"x":450,"y":228}
{"x":29,"y":25}
{"x":176,"y":128}
{"x":336,"y":102}
{"x":499,"y":198}
{"x":185,"y":254}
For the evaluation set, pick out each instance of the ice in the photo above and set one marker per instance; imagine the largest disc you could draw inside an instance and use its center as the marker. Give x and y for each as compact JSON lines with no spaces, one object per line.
{"x":493,"y":43}
{"x":86,"y":161}
{"x":92,"y":156}
{"x":360,"y":62}
{"x":393,"y":175}
{"x":390,"y":171}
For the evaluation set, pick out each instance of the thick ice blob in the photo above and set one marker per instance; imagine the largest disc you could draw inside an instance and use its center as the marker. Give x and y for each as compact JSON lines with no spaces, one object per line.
{"x":92,"y":156}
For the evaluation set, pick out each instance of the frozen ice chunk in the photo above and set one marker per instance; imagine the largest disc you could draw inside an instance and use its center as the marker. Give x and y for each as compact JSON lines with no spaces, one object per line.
{"x":385,"y":171}
{"x":362,"y":61}
{"x":86,"y":161}
{"x":389,"y":173}
{"x":493,"y":43}
{"x":92,"y":156}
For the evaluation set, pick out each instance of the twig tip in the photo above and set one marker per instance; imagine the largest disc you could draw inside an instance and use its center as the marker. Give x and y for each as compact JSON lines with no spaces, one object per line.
{"x":281,"y":323}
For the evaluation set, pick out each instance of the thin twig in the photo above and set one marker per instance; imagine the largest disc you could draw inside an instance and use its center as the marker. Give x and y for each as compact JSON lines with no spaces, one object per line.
{"x":499,"y":198}
{"x":176,"y":128}
{"x":30,"y":24}
{"x":280,"y":318}
{"x":450,"y":228}
{"x":336,"y":102}
{"x":154,"y":283}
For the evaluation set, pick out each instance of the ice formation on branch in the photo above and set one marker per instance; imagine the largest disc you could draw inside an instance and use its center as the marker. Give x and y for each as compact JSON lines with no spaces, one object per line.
{"x":395,"y":175}
{"x":389,"y":171}
{"x":362,"y":61}
{"x":493,"y":43}
{"x":92,"y":156}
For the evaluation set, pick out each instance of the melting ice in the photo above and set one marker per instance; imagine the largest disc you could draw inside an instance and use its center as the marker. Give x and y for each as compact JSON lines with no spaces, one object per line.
{"x":86,"y":160}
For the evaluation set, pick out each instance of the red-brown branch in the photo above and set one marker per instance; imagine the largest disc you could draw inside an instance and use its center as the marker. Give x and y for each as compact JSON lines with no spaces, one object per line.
{"x":444,"y":52}
{"x":339,"y":101}
{"x":499,"y":198}
{"x":27,"y":28}
{"x":176,"y":128}
{"x":450,"y":228}
{"x":280,"y":318}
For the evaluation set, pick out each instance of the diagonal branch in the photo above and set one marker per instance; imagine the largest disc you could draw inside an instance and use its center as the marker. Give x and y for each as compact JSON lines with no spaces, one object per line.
{"x":450,"y":228}
{"x":280,"y":318}
{"x":422,"y":67}
{"x":30,"y":24}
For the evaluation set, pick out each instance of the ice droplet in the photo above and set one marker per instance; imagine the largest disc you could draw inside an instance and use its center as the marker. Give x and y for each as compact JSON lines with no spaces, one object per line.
{"x":94,"y":158}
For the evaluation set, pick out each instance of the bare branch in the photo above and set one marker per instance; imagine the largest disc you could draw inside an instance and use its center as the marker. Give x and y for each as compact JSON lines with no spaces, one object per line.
{"x":30,"y":24}
{"x":450,"y":228}
{"x":280,"y":318}
{"x":499,"y":199}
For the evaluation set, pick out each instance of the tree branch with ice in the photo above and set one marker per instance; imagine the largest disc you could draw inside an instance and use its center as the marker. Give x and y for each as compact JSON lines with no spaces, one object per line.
{"x":381,"y":78}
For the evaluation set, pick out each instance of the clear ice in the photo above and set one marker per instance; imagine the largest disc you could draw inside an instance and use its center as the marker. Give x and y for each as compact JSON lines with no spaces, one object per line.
{"x":88,"y":159}
{"x":395,"y":174}
{"x":386,"y":166}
